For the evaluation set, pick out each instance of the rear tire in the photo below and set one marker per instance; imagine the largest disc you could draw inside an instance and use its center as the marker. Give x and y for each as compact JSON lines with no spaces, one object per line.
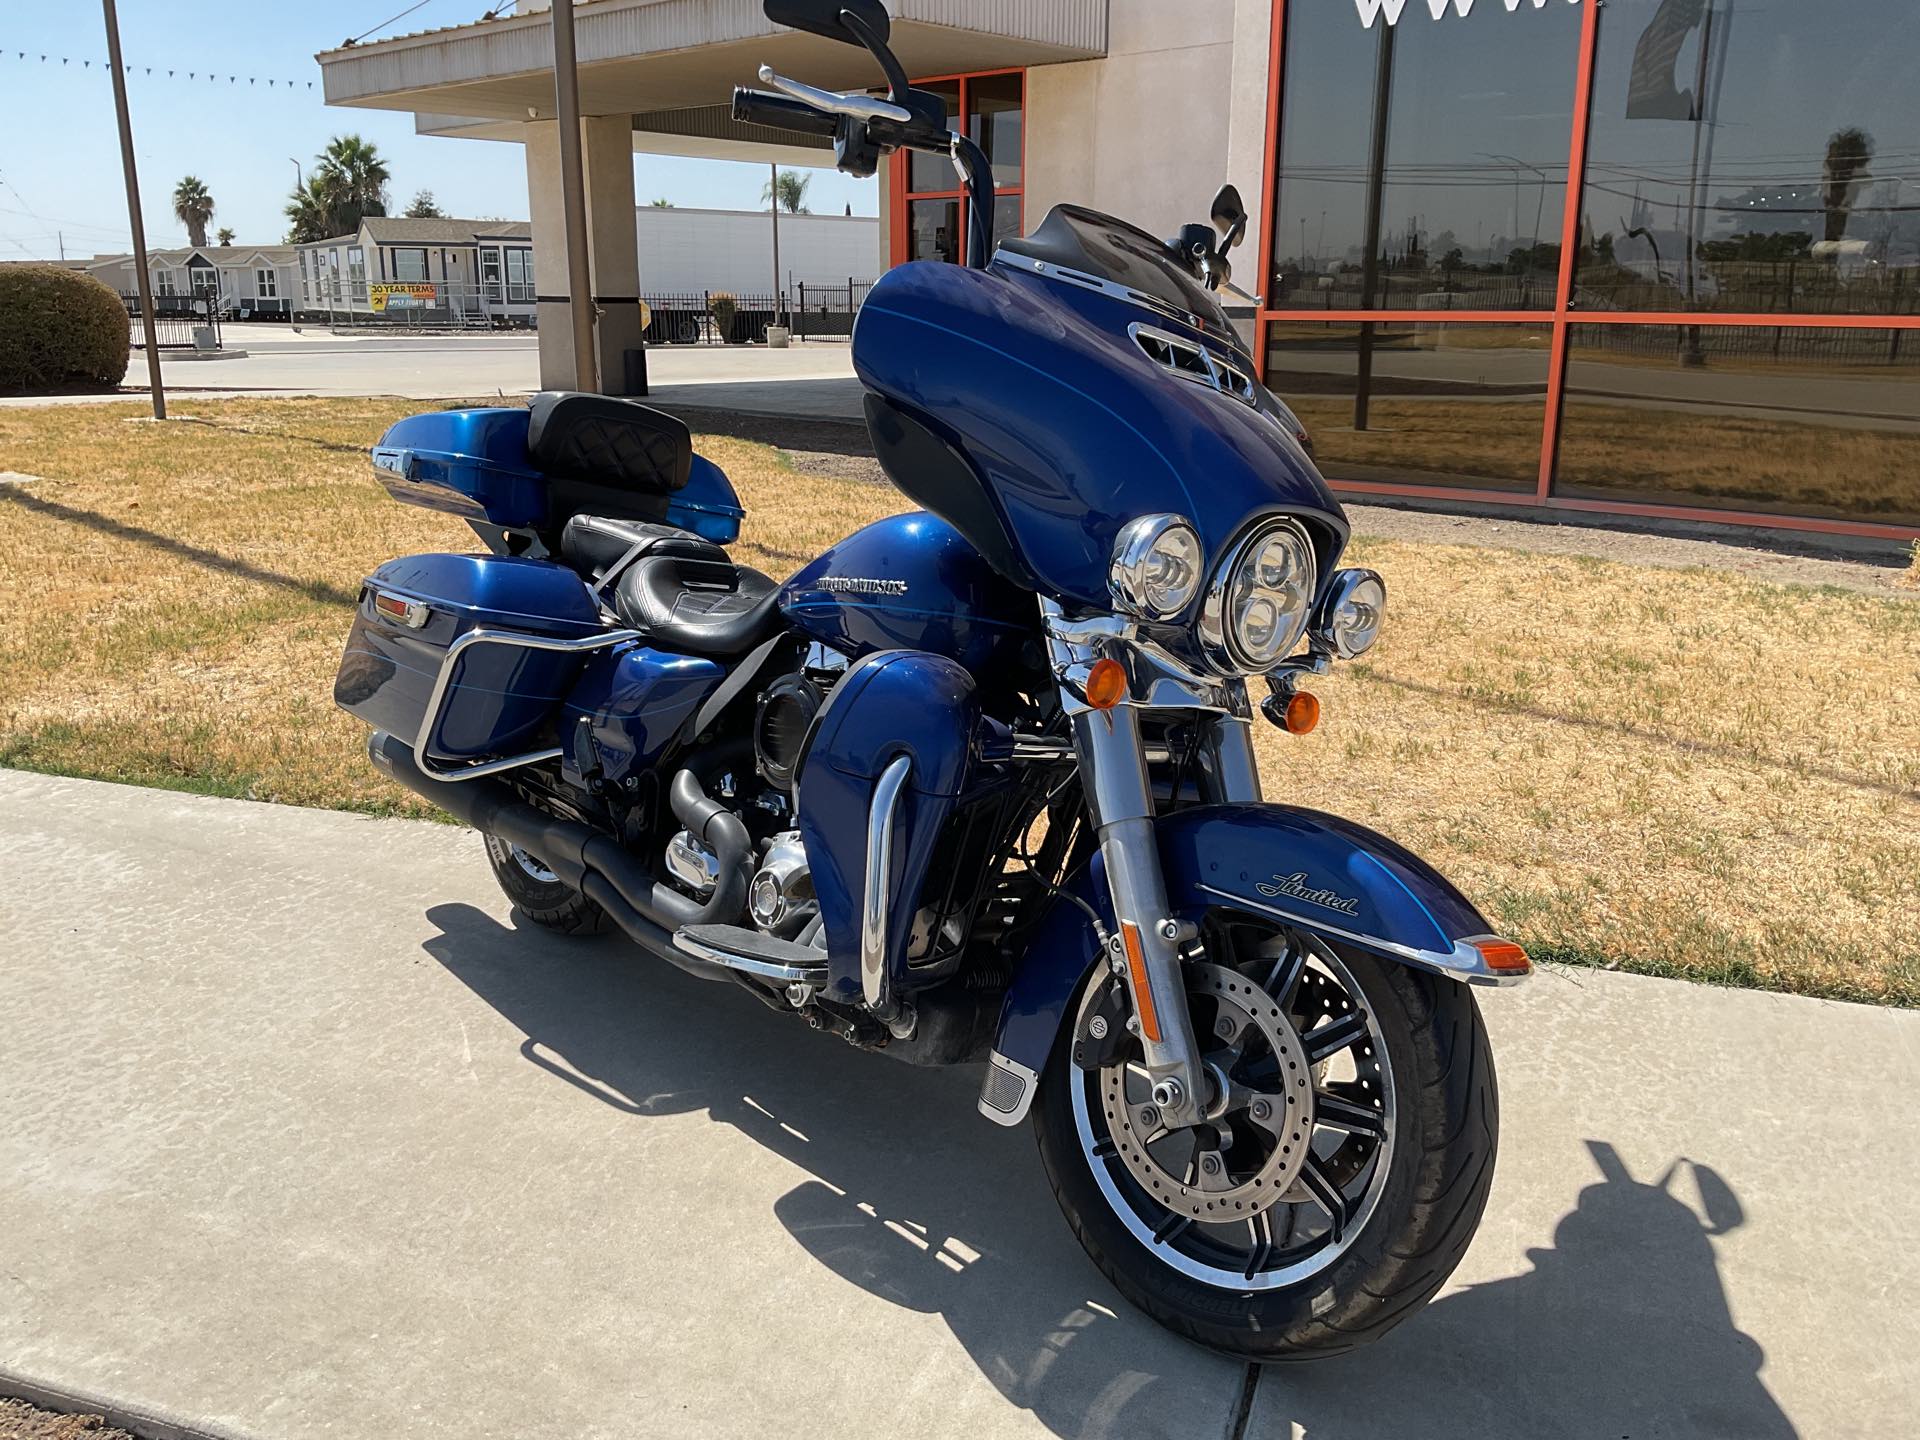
{"x":538,"y":894}
{"x":1439,"y":1162}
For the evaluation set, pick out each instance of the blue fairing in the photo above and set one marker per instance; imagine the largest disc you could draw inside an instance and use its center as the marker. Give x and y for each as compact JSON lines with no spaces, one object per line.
{"x":1070,"y":427}
{"x":910,"y":582}
{"x":892,"y":703}
{"x":1298,"y":867}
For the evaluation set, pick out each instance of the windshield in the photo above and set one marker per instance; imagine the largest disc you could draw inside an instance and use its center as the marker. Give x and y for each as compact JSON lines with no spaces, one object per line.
{"x":1080,"y":239}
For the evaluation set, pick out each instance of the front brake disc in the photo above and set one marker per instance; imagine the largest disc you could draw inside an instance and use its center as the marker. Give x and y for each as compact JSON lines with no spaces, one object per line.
{"x":1207,"y":1187}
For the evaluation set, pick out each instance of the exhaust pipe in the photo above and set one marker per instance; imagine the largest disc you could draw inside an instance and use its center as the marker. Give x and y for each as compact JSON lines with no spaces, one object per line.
{"x":591,"y":863}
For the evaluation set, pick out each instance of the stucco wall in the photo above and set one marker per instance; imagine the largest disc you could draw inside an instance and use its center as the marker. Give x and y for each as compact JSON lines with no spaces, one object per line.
{"x":1174,"y":110}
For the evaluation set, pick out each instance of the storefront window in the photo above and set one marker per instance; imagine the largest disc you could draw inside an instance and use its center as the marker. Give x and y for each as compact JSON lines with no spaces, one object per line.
{"x":929,"y":219}
{"x":1417,"y":401}
{"x":1778,"y":419}
{"x":1444,"y":141}
{"x":1754,"y":160}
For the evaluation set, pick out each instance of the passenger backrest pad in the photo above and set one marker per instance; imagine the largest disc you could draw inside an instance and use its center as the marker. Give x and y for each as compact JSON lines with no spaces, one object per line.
{"x":608,"y":441}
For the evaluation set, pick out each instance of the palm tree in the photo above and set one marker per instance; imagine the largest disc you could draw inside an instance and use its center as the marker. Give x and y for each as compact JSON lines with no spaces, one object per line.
{"x":793,"y":191}
{"x":193,"y":207}
{"x":225,"y":237}
{"x":311,"y":208}
{"x":357,"y":178}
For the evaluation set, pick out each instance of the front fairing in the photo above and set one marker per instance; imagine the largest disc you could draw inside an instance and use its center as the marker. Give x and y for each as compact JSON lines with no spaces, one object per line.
{"x":1071,"y":428}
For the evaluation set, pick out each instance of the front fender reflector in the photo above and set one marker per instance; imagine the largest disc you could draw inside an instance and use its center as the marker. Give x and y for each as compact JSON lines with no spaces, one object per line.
{"x":1142,"y":990}
{"x":1503,"y":957}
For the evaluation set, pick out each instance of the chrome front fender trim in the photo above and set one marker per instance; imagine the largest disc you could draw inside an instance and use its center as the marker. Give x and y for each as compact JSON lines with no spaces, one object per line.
{"x":873,"y":911}
{"x":1463,"y":963}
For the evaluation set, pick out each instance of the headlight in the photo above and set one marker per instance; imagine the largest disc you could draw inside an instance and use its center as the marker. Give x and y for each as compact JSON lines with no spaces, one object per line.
{"x":1156,"y":567}
{"x":1350,"y":616}
{"x":1260,"y":599}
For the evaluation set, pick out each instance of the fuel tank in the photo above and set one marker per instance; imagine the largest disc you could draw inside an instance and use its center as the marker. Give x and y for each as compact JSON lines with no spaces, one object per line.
{"x":910,"y":582}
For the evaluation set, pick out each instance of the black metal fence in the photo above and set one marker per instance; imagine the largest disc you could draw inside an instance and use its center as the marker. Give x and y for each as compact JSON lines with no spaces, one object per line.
{"x":176,"y":318}
{"x":718,"y":317}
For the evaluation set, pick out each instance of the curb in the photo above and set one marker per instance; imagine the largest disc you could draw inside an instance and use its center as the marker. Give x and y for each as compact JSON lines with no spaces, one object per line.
{"x":149,"y":1422}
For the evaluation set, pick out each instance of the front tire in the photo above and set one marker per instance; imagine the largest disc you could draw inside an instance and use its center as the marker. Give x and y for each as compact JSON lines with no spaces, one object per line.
{"x":1406,"y":1152}
{"x":539,"y":894}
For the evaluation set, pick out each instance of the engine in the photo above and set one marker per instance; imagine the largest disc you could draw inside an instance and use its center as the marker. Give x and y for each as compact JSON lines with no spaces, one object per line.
{"x":780,"y":898}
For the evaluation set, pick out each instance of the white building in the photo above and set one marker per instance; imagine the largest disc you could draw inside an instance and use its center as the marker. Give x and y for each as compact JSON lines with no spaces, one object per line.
{"x":687,"y":251}
{"x":453,"y":271}
{"x":243,"y":282}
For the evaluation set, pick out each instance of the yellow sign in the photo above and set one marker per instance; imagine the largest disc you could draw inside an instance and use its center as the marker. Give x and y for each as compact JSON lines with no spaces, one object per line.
{"x":410,"y":295}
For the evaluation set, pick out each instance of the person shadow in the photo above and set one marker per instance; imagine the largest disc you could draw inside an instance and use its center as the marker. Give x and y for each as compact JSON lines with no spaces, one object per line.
{"x":1620,"y":1329}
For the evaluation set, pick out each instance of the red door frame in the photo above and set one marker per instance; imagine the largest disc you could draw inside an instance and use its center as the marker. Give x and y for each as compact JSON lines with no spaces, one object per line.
{"x":898,"y":172}
{"x":1562,"y":318}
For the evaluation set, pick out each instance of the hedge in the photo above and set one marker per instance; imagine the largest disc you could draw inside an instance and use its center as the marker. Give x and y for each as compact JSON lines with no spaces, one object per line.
{"x":59,"y":329}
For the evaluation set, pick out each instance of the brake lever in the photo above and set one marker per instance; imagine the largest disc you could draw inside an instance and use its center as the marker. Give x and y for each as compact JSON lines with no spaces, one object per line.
{"x":832,"y":102}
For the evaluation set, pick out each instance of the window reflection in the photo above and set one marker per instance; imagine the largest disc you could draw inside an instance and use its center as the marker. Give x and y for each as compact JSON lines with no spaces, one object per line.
{"x":1419,"y":402}
{"x":933,"y":231}
{"x":1470,"y":120}
{"x":1778,"y":419}
{"x":995,"y":123}
{"x":1754,"y":159}
{"x":935,"y":172}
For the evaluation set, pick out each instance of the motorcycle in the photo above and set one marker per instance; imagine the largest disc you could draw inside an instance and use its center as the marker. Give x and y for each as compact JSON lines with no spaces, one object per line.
{"x":978,"y":783}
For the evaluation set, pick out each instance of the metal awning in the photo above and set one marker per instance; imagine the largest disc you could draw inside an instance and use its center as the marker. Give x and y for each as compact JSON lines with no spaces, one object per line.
{"x":639,"y":57}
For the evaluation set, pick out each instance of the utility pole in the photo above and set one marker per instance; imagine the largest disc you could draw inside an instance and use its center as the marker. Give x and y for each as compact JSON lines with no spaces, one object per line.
{"x":141,"y":279}
{"x":774,"y":191}
{"x":573,"y":191}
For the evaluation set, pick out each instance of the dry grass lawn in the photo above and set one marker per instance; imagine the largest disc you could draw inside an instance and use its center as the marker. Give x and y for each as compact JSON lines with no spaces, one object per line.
{"x":1680,"y":772}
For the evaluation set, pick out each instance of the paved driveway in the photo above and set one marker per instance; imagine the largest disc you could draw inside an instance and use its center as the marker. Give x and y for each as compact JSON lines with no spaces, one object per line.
{"x":303,"y":1138}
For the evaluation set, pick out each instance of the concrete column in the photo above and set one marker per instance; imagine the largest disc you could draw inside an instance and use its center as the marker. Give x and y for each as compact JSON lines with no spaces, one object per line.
{"x":613,"y":256}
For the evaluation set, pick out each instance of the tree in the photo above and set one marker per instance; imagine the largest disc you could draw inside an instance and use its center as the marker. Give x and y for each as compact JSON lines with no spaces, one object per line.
{"x":225,"y":237}
{"x":793,"y":191}
{"x":193,"y":208}
{"x":349,"y":183}
{"x":1843,"y":176}
{"x":662,"y":203}
{"x":424,"y":207}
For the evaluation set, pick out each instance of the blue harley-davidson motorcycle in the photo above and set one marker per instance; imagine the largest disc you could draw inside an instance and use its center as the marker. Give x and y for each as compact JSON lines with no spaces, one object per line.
{"x":978,"y":783}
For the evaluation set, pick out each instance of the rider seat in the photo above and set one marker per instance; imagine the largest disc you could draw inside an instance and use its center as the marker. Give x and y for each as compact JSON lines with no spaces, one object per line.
{"x":700,"y":606}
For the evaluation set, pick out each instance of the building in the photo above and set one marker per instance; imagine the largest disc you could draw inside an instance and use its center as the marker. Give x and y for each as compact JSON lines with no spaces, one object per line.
{"x":687,"y":251}
{"x":243,"y":282}
{"x":1652,"y":257}
{"x":450,"y":271}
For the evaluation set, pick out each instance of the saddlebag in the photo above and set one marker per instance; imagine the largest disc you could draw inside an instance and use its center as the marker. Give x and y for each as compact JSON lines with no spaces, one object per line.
{"x":500,"y":696}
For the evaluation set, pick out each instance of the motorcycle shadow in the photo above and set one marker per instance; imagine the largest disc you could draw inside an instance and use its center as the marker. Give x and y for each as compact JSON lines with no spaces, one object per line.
{"x":1620,"y":1328}
{"x":914,"y":1197}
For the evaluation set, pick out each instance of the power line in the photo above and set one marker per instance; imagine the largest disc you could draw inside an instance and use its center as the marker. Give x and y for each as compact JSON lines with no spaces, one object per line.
{"x":417,"y":5}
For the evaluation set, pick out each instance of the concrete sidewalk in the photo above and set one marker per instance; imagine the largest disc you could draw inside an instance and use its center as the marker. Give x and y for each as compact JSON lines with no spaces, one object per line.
{"x":304,"y":1139}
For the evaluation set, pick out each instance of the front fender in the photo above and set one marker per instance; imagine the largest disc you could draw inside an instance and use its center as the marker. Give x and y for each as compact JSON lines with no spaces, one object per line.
{"x":1301,"y":867}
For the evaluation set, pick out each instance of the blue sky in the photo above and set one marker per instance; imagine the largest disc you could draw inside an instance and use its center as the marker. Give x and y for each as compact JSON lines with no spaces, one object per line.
{"x":60,"y":154}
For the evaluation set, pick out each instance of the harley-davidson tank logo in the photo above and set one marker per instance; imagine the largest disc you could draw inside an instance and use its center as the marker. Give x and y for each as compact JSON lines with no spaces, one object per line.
{"x":1295,"y":887}
{"x":862,"y":585}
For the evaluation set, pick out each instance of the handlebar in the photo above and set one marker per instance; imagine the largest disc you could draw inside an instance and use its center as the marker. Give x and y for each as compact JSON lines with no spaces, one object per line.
{"x":763,"y":107}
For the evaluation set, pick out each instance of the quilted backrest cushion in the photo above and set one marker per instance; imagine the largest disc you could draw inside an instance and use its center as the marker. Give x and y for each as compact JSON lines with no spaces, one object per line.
{"x":608,"y":441}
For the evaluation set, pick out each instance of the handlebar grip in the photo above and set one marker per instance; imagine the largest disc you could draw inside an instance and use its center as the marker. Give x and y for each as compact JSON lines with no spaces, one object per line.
{"x":765,"y":107}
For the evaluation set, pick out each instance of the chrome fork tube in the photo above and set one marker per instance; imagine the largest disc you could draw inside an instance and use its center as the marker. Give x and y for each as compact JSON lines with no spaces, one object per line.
{"x":1145,"y":947}
{"x":1230,"y":772}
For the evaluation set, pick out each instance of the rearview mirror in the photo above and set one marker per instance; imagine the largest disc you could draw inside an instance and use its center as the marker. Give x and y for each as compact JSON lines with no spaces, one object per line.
{"x":1229,"y":217}
{"x":822,"y":17}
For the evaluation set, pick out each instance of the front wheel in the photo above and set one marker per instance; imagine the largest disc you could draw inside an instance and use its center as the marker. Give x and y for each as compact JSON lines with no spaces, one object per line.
{"x":1341,"y":1173}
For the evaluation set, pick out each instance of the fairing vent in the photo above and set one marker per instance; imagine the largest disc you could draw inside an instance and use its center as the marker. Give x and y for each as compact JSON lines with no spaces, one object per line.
{"x":1193,"y":362}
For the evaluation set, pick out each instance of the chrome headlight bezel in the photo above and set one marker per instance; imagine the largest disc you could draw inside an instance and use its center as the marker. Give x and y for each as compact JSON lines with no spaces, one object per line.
{"x":1338,"y":625}
{"x":1220,"y":613}
{"x":1130,"y":577}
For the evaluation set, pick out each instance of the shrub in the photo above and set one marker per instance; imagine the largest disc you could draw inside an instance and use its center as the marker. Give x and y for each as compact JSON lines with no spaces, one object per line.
{"x":724,"y":305}
{"x":59,"y":329}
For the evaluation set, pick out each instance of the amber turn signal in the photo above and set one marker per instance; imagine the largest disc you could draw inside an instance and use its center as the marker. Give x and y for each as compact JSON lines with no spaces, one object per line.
{"x":1503,"y":956}
{"x":1106,"y":684}
{"x":1302,"y":713}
